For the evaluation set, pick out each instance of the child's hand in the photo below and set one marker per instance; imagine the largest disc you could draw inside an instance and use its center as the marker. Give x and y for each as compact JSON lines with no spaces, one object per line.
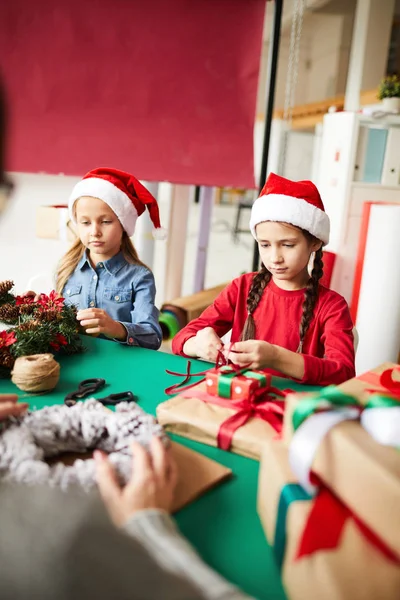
{"x":31,"y":294}
{"x":96,"y":321}
{"x":255,"y":353}
{"x":207,"y":344}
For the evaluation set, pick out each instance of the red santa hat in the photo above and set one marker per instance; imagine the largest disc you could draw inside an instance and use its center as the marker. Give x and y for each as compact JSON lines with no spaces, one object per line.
{"x":123,"y":193}
{"x":294,"y":202}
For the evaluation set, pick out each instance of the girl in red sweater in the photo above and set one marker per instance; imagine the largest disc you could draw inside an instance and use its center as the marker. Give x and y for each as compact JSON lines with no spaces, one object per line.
{"x":281,"y":318}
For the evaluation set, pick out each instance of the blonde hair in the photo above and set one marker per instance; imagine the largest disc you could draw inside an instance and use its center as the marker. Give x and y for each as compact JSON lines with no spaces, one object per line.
{"x":70,"y":260}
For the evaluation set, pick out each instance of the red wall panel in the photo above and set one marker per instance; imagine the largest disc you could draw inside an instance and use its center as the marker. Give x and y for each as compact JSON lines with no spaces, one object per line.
{"x":165,"y":89}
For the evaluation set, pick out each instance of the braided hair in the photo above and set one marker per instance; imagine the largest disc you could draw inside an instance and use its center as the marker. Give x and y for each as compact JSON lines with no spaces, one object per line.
{"x":260,"y":282}
{"x":310,"y":297}
{"x":258,"y":285}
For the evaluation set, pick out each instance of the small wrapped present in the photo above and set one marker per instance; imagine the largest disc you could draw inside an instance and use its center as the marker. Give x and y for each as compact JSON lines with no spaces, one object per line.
{"x":314,"y":561}
{"x":237,"y":384}
{"x":331,"y":435}
{"x":237,"y":425}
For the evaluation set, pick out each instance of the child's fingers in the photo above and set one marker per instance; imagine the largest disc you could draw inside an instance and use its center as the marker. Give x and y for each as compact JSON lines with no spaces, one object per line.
{"x":93,"y":330}
{"x":90,"y":323}
{"x":239,"y":346}
{"x":241,"y":359}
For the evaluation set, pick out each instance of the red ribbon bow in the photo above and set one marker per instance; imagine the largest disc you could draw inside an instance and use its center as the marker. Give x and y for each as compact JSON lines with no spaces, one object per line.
{"x":384,"y":381}
{"x":326,"y":523}
{"x":262,"y":403}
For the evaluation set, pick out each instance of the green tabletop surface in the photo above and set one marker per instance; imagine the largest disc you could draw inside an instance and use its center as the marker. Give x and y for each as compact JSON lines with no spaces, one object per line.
{"x":223,"y":524}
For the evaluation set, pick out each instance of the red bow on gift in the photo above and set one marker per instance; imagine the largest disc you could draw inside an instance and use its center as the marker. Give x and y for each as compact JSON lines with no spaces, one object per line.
{"x":384,"y":381}
{"x":261,"y":404}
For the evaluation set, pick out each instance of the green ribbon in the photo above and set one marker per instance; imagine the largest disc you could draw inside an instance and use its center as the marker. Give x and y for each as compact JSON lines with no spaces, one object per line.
{"x":329,"y":397}
{"x":291,"y":492}
{"x":379,"y":401}
{"x":224,"y":385}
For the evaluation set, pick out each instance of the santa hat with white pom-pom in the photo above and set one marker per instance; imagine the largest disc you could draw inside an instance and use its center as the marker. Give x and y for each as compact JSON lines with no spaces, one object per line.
{"x":123,"y":193}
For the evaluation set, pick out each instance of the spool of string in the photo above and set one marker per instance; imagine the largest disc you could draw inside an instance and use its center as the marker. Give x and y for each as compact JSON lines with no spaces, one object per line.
{"x":36,"y":373}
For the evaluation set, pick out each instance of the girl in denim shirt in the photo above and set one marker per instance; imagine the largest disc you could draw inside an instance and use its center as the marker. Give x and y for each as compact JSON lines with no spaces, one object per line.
{"x":101,"y":274}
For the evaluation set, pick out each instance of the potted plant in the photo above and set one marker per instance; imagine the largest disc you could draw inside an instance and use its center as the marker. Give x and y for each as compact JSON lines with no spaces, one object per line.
{"x":389,"y":93}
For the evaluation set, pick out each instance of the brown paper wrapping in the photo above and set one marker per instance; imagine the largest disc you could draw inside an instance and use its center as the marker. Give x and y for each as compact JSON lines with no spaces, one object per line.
{"x":357,"y":387}
{"x":353,"y":571}
{"x":196,"y":473}
{"x":200,"y":421}
{"x":365,"y":475}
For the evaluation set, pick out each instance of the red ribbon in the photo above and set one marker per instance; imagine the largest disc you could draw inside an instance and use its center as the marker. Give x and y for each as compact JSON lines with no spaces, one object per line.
{"x":385,"y":381}
{"x":326,"y":523}
{"x":221,"y":362}
{"x":261,"y":405}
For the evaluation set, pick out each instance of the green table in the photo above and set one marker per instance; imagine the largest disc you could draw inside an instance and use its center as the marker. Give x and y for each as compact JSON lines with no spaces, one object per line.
{"x":223,"y":524}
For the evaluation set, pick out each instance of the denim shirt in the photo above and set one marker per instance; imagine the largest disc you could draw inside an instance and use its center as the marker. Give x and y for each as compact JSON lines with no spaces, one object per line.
{"x":125,"y":291}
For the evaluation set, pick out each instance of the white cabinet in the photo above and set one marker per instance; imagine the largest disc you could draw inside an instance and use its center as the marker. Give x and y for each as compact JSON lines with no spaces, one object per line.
{"x":360,"y":162}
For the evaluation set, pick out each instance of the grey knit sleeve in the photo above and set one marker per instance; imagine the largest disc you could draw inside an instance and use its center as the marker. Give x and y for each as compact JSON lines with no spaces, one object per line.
{"x":158,"y":533}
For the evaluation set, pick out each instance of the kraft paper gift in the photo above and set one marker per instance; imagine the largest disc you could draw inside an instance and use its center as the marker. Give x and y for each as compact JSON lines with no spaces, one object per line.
{"x":353,"y":570}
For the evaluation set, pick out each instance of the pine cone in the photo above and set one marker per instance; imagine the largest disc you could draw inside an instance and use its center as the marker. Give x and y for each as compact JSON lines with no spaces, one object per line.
{"x":50,"y":315}
{"x":28,"y":325}
{"x":6,"y":359}
{"x":9,"y":313}
{"x":26,"y":309}
{"x":6,"y":286}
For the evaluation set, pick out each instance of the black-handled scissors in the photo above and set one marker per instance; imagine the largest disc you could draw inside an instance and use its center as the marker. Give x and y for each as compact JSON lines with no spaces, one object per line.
{"x":117,"y":398}
{"x":90,"y":386}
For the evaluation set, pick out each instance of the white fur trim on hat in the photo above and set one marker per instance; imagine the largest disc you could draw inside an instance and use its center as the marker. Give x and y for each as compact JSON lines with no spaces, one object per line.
{"x":287,"y":209}
{"x":116,"y":199}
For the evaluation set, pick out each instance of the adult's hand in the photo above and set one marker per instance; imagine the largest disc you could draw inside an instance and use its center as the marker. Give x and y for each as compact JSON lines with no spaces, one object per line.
{"x":9,"y":406}
{"x":152,"y":484}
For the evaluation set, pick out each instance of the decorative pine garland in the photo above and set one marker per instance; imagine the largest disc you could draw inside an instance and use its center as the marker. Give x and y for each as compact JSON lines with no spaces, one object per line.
{"x":47,"y":325}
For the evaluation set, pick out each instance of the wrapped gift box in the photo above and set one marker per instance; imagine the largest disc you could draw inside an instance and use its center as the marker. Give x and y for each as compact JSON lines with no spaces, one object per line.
{"x":354,"y":570}
{"x":364,"y":474}
{"x":235,"y":425}
{"x":224,"y":382}
{"x":362,"y":386}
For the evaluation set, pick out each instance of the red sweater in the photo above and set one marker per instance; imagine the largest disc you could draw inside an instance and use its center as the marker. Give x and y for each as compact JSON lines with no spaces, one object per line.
{"x":328,"y":346}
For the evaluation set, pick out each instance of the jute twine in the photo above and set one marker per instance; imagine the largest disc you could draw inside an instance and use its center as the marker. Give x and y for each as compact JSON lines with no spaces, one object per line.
{"x":36,"y":373}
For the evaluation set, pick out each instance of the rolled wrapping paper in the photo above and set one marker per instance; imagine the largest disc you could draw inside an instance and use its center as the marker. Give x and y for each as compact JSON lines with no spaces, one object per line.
{"x":179,"y":312}
{"x":36,"y":373}
{"x":378,"y":315}
{"x":169,"y":324}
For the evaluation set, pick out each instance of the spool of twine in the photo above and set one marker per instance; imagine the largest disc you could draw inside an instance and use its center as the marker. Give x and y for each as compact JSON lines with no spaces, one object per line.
{"x":36,"y":373}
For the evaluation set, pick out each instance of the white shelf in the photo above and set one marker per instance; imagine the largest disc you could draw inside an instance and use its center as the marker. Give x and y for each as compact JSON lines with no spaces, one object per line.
{"x":385,"y":120}
{"x":365,"y":184}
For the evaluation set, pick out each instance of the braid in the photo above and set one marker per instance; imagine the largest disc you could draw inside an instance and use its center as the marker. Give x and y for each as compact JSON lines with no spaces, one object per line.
{"x":258,"y":285}
{"x":310,"y":297}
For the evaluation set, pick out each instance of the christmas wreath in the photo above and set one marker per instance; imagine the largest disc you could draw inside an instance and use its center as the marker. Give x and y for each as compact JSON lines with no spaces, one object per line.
{"x":36,"y":327}
{"x":29,"y":442}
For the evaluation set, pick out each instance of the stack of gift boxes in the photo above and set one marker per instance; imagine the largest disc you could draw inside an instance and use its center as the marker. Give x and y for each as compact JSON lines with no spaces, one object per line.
{"x":329,"y":486}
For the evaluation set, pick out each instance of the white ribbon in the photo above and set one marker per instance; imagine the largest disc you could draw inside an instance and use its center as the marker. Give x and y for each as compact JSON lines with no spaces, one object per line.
{"x":307,"y":439}
{"x":383,"y":424}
